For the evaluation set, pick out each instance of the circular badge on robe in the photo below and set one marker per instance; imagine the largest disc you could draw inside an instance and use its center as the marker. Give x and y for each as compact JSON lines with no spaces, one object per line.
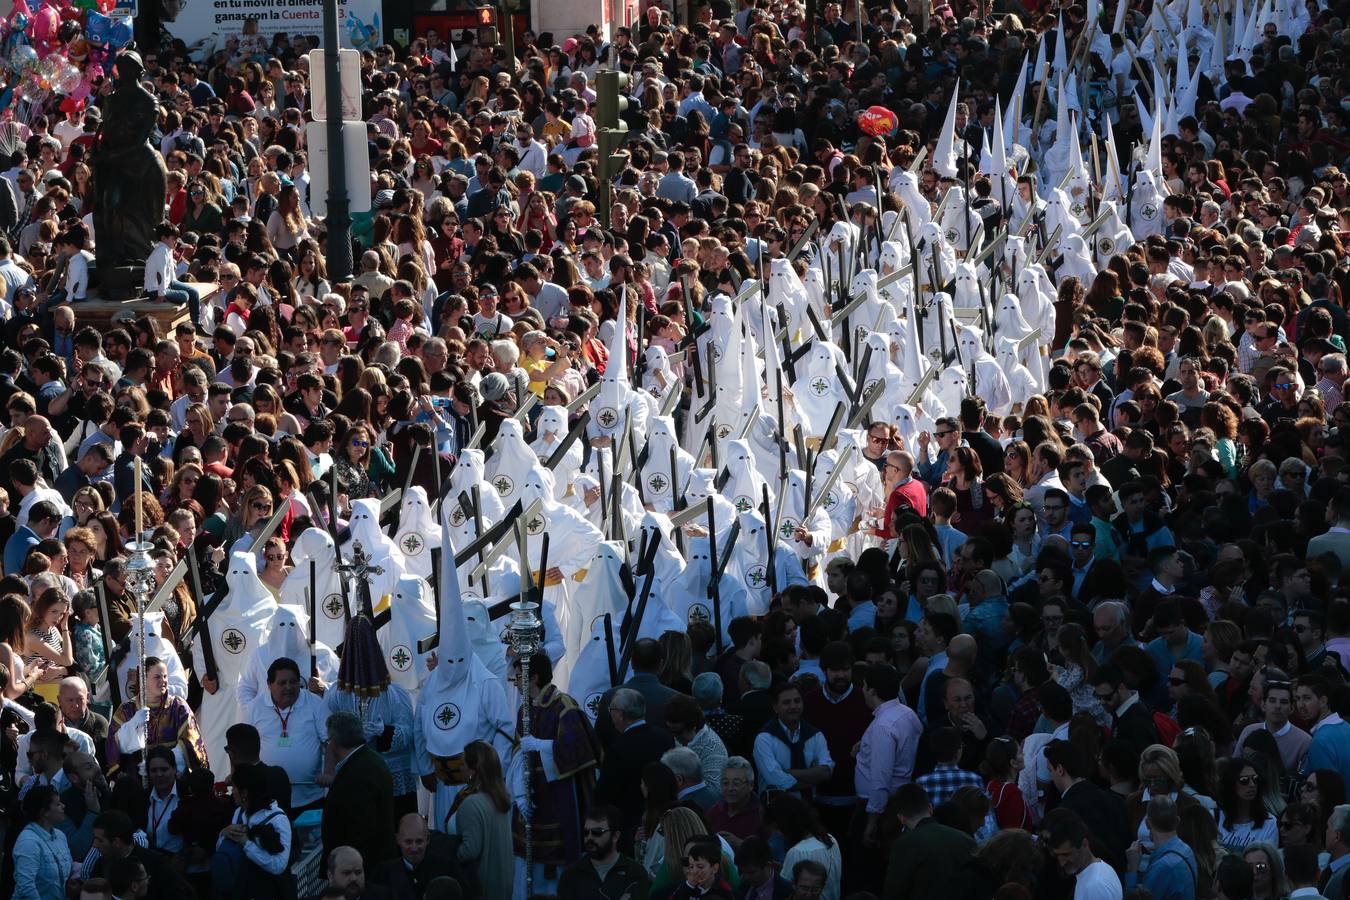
{"x":869,"y":386}
{"x":412,"y":544}
{"x":332,"y":606}
{"x":935,"y":354}
{"x":860,"y":334}
{"x":457,"y":516}
{"x":536,"y":524}
{"x":743,"y":504}
{"x":446,"y":717}
{"x":503,"y":484}
{"x":787,"y":528}
{"x":657,"y":483}
{"x":714,"y":351}
{"x":699,"y":613}
{"x":758,"y":576}
{"x":819,"y":386}
{"x":831,"y":499}
{"x":952,"y":235}
{"x":592,"y":704}
{"x":1106,"y":246}
{"x":401,"y":658}
{"x":1078,"y":209}
{"x":607,"y":416}
{"x":723,"y":431}
{"x":1149,"y":211}
{"x":234,"y":640}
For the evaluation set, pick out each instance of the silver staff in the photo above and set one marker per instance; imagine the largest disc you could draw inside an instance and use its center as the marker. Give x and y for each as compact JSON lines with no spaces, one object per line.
{"x":524,"y":629}
{"x":140,"y":581}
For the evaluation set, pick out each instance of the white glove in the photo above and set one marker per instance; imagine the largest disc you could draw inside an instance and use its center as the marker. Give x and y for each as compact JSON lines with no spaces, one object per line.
{"x":516,"y":778}
{"x":536,"y":745}
{"x":373,"y":729}
{"x":131,"y":736}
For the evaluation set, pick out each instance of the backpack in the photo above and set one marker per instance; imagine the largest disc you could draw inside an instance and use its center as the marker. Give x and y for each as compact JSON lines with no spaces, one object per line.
{"x":1167,"y":727}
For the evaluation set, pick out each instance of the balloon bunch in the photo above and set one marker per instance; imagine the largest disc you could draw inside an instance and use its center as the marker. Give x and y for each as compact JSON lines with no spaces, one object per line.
{"x":878,"y":121}
{"x":59,"y":51}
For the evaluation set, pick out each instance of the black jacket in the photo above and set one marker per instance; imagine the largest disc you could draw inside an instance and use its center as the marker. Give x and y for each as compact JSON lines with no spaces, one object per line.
{"x":1104,"y":814}
{"x":359,"y":811}
{"x":1136,"y":727}
{"x":620,"y":781}
{"x":411,"y":884}
{"x":626,"y":877}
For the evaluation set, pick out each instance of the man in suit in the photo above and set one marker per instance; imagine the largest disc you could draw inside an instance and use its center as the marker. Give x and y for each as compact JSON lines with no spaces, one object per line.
{"x":1337,"y":538}
{"x":359,"y":811}
{"x":113,"y":832}
{"x":1102,"y":811}
{"x":924,"y":857}
{"x":1131,"y":719}
{"x":1093,"y":579}
{"x":688,"y":769}
{"x":646,"y":660}
{"x":421,"y":858}
{"x":636,"y":743}
{"x":346,"y":871}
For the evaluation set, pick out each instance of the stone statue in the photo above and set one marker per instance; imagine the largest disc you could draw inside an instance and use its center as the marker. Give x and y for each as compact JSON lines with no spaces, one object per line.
{"x":129,"y":174}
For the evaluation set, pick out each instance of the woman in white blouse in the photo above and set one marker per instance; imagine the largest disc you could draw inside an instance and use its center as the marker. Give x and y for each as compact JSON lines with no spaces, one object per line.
{"x":261,"y":829}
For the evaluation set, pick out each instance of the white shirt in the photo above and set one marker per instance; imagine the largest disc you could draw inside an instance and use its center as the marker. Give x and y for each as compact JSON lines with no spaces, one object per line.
{"x":773,"y":759}
{"x":159,"y":269}
{"x":77,"y":275}
{"x":1097,"y":882}
{"x":300,"y":753}
{"x":157,"y":821}
{"x":829,"y":857}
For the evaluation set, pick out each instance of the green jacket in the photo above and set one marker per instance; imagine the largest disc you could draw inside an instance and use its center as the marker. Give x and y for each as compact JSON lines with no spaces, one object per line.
{"x":924,"y":859}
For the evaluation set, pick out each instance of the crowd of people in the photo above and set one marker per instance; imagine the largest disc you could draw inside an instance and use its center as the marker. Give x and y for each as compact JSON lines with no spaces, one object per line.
{"x":949,"y":507}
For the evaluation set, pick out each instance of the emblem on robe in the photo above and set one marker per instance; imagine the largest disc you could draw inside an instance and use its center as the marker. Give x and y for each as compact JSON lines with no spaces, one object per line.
{"x":401,"y":658}
{"x":446,"y":716}
{"x":592,"y":704}
{"x":819,"y":386}
{"x":757,"y":577}
{"x":607,"y":416}
{"x":457,"y":517}
{"x":536,"y":524}
{"x":658,"y":483}
{"x":699,"y":613}
{"x":234,"y":641}
{"x":503,"y":484}
{"x":412,"y":544}
{"x":332,"y":606}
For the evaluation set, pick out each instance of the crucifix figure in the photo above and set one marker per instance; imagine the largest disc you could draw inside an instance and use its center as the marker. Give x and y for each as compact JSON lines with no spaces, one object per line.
{"x":361,"y":569}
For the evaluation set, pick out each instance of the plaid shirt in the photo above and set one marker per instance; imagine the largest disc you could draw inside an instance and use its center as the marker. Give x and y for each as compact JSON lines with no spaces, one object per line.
{"x":1025,"y":712}
{"x":1331,"y":393}
{"x":946,"y":780}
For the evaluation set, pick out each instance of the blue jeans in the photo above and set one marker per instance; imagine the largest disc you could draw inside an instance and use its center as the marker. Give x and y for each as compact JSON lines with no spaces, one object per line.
{"x":180,"y":292}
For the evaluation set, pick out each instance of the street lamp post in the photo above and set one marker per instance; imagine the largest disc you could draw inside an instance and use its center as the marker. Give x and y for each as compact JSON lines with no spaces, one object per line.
{"x":339,"y":220}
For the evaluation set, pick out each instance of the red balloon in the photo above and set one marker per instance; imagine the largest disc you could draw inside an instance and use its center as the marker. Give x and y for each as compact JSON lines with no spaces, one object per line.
{"x":878,"y":121}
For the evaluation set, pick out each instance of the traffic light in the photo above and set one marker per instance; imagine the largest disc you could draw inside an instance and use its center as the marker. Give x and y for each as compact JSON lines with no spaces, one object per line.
{"x":611,"y":99}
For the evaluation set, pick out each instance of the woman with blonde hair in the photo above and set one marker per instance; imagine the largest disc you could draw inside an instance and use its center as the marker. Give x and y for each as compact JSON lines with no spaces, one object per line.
{"x":47,"y":639}
{"x":181,"y":486}
{"x":1159,"y":776}
{"x":481,"y":817}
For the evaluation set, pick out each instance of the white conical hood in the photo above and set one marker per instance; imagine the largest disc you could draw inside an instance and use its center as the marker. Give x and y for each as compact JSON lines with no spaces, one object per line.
{"x":454,"y":652}
{"x":944,"y":154}
{"x":1012,"y":116}
{"x":1061,"y":65}
{"x":1113,"y":187}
